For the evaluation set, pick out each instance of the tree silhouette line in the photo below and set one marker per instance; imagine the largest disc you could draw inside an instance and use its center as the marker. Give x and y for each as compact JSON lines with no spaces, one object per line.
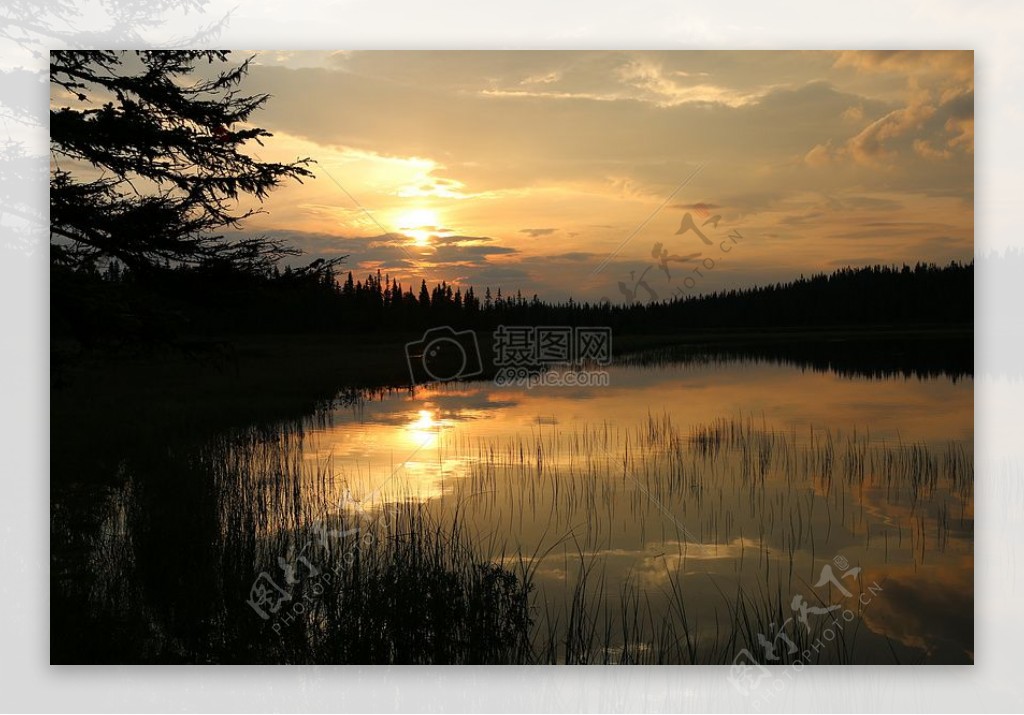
{"x":123,"y":305}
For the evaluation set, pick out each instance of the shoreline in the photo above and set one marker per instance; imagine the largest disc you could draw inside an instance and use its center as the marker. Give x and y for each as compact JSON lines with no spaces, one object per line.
{"x":100,"y":403}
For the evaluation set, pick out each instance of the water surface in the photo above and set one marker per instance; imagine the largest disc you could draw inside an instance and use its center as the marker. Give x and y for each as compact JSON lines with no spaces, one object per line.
{"x":662,"y":504}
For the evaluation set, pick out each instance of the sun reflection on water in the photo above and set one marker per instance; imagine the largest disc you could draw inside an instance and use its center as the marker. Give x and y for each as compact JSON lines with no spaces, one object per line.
{"x":425,"y":430}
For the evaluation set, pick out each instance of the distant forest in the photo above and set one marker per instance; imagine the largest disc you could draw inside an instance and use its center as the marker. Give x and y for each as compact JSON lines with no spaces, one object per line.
{"x":118,"y":305}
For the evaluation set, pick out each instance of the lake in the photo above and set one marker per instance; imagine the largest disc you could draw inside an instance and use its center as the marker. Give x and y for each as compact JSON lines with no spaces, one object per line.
{"x":671,"y":509}
{"x":692,"y":487}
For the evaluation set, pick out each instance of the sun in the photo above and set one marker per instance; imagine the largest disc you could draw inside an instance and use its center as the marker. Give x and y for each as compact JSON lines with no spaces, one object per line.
{"x":419,"y":225}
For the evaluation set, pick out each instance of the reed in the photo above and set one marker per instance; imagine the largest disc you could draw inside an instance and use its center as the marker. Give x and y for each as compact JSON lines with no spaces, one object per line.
{"x":727,"y":521}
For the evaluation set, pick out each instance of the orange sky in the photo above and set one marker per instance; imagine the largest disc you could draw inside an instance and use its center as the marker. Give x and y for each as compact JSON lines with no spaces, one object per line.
{"x":528,"y":170}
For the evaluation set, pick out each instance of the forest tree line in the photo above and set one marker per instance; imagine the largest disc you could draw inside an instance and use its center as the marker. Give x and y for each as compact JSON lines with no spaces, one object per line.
{"x":209,"y":300}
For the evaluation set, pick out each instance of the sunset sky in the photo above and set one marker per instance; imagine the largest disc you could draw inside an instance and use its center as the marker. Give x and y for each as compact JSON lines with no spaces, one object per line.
{"x":557,"y":172}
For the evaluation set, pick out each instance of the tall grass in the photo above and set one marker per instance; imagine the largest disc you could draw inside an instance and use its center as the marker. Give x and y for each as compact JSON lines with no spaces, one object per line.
{"x":511,"y":565}
{"x":785,"y":503}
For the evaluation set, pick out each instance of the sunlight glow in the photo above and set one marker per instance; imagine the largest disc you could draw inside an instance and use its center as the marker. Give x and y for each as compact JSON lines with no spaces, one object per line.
{"x":425,"y":422}
{"x":419,"y":225}
{"x":424,"y":430}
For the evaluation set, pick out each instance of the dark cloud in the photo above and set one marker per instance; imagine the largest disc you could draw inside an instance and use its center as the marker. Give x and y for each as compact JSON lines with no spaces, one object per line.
{"x":802,"y":219}
{"x":695,"y":206}
{"x":463,"y":259}
{"x":575,"y":256}
{"x":888,"y":229}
